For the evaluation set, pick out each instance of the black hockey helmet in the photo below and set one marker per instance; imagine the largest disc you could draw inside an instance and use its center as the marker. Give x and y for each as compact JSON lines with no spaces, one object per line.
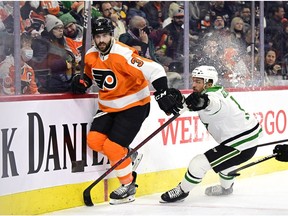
{"x":101,"y":25}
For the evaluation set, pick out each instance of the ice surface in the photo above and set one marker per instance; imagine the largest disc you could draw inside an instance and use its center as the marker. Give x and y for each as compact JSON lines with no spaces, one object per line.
{"x":259,"y":195}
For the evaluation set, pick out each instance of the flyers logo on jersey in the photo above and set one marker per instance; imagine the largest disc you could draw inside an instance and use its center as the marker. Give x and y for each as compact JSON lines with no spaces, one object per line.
{"x":105,"y":79}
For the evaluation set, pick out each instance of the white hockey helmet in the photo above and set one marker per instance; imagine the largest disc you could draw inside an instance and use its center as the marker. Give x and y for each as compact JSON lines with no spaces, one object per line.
{"x":207,"y":73}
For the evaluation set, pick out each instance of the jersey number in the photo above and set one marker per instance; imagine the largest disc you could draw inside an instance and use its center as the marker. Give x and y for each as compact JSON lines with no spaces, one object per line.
{"x":137,"y":61}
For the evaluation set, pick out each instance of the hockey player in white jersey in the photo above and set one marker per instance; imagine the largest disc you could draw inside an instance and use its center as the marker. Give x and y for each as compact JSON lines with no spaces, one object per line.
{"x":235,"y":131}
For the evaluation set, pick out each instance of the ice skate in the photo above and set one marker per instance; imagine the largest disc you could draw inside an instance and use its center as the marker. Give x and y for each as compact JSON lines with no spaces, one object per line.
{"x":174,"y":195}
{"x":125,"y":193}
{"x":136,"y":159}
{"x":218,"y":190}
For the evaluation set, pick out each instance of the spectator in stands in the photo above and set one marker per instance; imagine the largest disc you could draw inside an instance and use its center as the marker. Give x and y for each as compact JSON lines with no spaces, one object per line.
{"x":219,"y":23}
{"x":65,"y":6}
{"x":6,"y":64}
{"x":7,"y":68}
{"x":174,"y":6}
{"x":158,"y":36}
{"x":204,"y":25}
{"x":6,"y":17}
{"x":78,"y":12}
{"x":198,"y":11}
{"x":136,"y":8}
{"x":237,"y":30}
{"x":138,"y":30}
{"x":108,"y":12}
{"x":156,"y":12}
{"x":218,"y":28}
{"x":120,"y":10}
{"x":51,"y":57}
{"x":73,"y":35}
{"x":217,"y":8}
{"x":35,"y":24}
{"x":175,"y":36}
{"x":28,"y":82}
{"x":274,"y":30}
{"x":26,"y":9}
{"x":272,"y":68}
{"x":40,"y":7}
{"x":245,"y":14}
{"x":285,"y":37}
{"x":249,"y":40}
{"x":51,"y":7}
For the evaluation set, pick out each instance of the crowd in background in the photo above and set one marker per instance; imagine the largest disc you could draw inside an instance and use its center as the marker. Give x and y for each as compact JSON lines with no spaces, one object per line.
{"x":221,"y":34}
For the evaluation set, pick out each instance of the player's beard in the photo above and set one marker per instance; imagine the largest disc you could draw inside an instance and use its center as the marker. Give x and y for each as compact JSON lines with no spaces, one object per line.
{"x":103,"y":47}
{"x":195,"y":90}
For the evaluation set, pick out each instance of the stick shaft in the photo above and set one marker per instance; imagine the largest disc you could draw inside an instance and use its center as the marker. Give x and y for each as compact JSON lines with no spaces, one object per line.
{"x":234,"y":172}
{"x":85,"y":26}
{"x":272,"y":143}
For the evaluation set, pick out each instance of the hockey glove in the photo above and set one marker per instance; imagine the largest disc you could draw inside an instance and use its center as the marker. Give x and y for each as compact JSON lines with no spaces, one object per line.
{"x":170,"y":100}
{"x":197,"y":101}
{"x":282,"y":152}
{"x":78,"y":85}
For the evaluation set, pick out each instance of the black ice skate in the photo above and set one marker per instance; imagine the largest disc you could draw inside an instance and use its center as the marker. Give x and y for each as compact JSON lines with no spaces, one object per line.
{"x":174,"y":195}
{"x":125,"y":193}
{"x":218,"y":190}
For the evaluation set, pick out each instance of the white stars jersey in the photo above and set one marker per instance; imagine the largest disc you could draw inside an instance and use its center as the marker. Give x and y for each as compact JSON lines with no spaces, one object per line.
{"x":227,"y":122}
{"x":122,"y":76}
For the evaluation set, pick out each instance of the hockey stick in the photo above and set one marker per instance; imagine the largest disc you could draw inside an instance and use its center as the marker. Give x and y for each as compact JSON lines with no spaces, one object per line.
{"x":274,"y":142}
{"x":280,"y":152}
{"x":83,"y":51}
{"x":234,"y":172}
{"x":87,"y":195}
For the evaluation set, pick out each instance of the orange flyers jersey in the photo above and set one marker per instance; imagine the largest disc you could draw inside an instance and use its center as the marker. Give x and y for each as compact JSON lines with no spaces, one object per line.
{"x":74,"y":45}
{"x":122,"y":76}
{"x":28,"y":83}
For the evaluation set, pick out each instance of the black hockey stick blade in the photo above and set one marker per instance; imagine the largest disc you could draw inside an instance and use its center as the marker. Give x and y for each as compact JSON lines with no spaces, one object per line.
{"x":235,"y":172}
{"x":87,"y":192}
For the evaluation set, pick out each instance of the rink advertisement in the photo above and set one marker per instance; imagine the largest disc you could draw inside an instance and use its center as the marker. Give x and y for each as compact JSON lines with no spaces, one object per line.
{"x":40,"y":138}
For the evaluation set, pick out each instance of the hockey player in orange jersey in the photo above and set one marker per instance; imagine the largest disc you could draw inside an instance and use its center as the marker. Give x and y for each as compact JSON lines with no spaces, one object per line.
{"x":124,"y":100}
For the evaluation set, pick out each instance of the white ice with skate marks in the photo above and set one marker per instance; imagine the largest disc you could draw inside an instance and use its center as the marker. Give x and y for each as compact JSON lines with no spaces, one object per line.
{"x":259,"y":195}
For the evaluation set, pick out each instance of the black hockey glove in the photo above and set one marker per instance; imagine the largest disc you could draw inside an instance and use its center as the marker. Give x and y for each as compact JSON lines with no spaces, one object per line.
{"x":78,"y":85}
{"x":170,"y":100}
{"x":282,"y":152}
{"x":196,"y":101}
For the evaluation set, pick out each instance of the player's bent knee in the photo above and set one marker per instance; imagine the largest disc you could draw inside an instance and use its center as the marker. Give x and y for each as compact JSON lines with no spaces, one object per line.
{"x":116,"y":152}
{"x":95,"y":140}
{"x":113,"y":150}
{"x":199,"y":165}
